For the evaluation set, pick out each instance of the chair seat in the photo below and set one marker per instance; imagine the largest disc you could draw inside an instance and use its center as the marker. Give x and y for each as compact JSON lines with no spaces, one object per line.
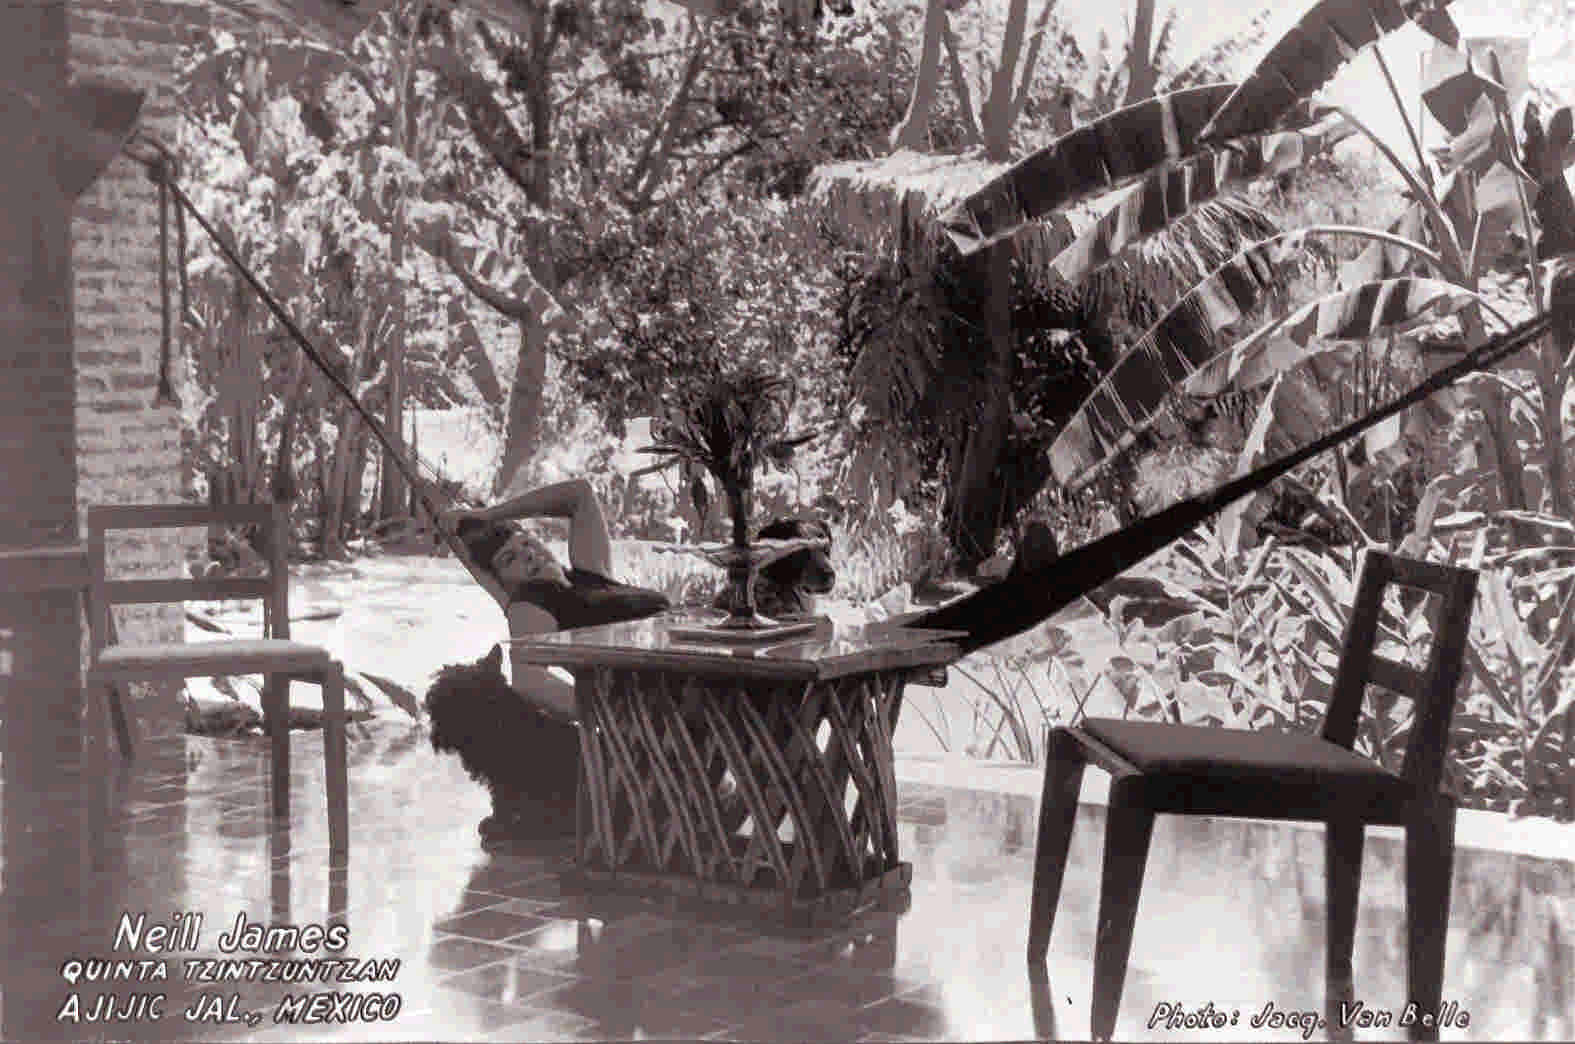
{"x":1267,"y":758}
{"x":205,"y":659}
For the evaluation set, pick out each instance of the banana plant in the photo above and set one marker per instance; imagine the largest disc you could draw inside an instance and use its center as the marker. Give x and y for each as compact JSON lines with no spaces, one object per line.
{"x":1450,"y":237}
{"x":1177,"y":149}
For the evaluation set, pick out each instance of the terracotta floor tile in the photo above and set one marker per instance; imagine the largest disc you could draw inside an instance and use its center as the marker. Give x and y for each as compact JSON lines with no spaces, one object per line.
{"x":454,"y":953}
{"x":494,"y":945}
{"x":490,"y":924}
{"x":508,"y":981}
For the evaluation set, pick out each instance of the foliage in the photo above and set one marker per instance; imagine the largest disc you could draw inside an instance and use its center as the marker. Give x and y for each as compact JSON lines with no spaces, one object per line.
{"x":672,"y":232}
{"x":1251,"y":641}
{"x":1497,"y":197}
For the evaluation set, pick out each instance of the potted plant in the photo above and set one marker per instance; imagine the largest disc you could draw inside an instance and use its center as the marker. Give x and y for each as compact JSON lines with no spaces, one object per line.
{"x":729,"y":426}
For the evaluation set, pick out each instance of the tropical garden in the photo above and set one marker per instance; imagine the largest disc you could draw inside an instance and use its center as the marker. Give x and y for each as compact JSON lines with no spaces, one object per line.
{"x":1024,"y":292}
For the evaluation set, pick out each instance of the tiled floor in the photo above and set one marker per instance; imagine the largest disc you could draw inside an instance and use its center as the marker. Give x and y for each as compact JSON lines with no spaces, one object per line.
{"x":490,"y":946}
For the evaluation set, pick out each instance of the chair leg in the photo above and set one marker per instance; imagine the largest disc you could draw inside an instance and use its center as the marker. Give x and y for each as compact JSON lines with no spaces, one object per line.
{"x":121,"y":719}
{"x":1041,"y":1003}
{"x":276,"y":716}
{"x":1429,"y":863}
{"x":333,"y":683}
{"x":1127,"y":834}
{"x":1343,"y":839}
{"x":1064,"y":764}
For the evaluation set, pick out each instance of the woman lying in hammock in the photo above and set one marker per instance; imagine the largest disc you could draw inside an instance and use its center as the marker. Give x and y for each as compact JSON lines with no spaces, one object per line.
{"x":520,"y":740}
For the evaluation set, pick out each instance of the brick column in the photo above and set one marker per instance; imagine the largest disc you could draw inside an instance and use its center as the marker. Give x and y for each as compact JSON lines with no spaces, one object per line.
{"x":39,"y":634}
{"x":127,"y":450}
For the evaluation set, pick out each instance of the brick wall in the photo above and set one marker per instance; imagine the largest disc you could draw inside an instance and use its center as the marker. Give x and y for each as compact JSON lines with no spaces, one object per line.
{"x":128,"y":451}
{"x":38,"y":633}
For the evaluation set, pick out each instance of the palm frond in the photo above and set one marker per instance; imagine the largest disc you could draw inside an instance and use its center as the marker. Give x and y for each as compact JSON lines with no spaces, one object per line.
{"x":1026,"y":599}
{"x":1173,"y":354}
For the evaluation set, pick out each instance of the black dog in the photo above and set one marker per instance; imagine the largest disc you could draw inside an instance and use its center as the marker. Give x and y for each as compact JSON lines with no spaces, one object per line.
{"x":529,"y":762}
{"x":785,"y":587}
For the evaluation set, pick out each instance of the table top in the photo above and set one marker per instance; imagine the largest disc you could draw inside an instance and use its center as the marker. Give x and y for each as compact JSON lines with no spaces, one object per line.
{"x":831,"y":651}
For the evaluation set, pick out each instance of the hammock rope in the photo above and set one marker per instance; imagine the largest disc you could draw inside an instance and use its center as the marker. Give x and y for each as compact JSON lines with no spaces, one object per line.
{"x":160,"y":166}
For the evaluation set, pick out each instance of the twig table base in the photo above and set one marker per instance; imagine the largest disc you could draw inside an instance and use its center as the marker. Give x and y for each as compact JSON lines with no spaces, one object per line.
{"x":757,"y":779}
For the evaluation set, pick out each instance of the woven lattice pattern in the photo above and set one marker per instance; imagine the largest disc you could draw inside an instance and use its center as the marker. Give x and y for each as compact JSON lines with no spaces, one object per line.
{"x":785,"y":788}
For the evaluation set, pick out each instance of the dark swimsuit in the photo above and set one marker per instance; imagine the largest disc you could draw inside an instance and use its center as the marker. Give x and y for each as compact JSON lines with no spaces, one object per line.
{"x":590,"y":599}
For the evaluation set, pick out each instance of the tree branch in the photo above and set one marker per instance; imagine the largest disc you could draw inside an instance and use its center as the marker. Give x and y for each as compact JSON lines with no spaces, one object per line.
{"x":656,"y":151}
{"x":488,"y":122}
{"x":536,"y":303}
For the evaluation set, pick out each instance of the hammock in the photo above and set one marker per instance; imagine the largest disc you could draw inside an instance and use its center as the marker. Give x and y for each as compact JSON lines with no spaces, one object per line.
{"x":1022,"y":600}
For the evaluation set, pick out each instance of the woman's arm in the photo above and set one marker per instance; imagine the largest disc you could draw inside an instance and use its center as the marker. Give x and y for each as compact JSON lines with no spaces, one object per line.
{"x":590,"y":548}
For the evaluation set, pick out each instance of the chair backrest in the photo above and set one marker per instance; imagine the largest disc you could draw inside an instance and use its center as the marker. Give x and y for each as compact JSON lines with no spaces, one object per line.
{"x":104,"y":593}
{"x":1432,"y":689}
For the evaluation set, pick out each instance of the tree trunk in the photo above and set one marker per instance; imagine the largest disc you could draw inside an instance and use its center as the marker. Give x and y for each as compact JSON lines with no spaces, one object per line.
{"x":977,"y":498}
{"x":284,"y":485}
{"x":998,"y":108}
{"x":336,"y":482}
{"x":522,"y":433}
{"x":538,"y":101}
{"x":355,"y":482}
{"x":914,"y":130}
{"x":1141,"y":74}
{"x":392,"y":494}
{"x":1561,"y":301}
{"x":391,"y":489}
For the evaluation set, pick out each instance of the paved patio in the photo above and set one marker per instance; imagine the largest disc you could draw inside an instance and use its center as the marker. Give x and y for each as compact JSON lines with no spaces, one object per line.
{"x":490,"y":947}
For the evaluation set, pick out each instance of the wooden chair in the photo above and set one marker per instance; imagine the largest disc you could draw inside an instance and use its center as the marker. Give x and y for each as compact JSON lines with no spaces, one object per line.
{"x":274,"y":656}
{"x":1191,"y":770}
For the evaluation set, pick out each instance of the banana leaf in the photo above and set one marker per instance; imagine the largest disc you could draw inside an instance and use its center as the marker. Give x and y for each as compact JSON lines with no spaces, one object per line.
{"x":1386,"y":260}
{"x":1169,"y":351}
{"x":1455,"y":85}
{"x":1166,"y":195}
{"x":1312,"y":51}
{"x":1028,"y":597}
{"x":1362,"y":312}
{"x":1094,"y":158}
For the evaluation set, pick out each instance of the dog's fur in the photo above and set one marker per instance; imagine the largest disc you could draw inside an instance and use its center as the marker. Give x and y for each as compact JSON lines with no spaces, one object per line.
{"x":787,"y":586}
{"x":529,"y":762}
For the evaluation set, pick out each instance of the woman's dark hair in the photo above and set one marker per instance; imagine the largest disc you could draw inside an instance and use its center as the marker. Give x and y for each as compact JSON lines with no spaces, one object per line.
{"x":484,"y":539}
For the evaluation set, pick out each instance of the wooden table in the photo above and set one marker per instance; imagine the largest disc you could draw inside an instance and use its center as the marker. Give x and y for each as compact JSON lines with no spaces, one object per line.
{"x":759,"y":778}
